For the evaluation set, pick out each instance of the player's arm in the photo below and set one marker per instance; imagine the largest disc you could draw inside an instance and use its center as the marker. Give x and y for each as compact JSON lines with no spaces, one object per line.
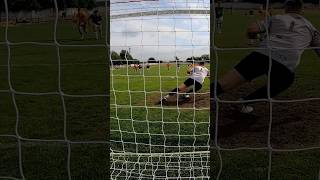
{"x":316,"y":41}
{"x":256,"y":28}
{"x":190,"y":70}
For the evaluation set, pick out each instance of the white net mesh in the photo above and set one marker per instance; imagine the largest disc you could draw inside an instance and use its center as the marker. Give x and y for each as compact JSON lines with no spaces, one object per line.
{"x":147,"y":141}
{"x":150,"y":141}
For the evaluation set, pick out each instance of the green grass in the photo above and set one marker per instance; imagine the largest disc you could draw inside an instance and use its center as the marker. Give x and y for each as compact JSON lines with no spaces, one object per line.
{"x":34,"y":69}
{"x":145,"y":88}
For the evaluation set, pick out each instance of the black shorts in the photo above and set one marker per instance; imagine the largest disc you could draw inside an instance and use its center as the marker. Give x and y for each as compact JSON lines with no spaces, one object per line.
{"x":189,"y":82}
{"x":257,"y":64}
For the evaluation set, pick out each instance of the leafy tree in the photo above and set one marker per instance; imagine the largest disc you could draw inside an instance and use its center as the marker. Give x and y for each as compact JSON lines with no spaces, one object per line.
{"x":16,"y":5}
{"x":33,"y":5}
{"x":115,"y":56}
{"x":124,"y":54}
{"x":193,"y":59}
{"x":205,"y":57}
{"x":152,"y":60}
{"x":2,"y":8}
{"x":91,"y":4}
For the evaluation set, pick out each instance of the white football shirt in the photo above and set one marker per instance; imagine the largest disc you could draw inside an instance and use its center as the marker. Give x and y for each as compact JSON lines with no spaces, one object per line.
{"x":199,"y":73}
{"x":292,"y":32}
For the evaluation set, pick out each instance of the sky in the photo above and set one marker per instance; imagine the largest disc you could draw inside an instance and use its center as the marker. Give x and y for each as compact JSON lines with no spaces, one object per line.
{"x":162,"y":37}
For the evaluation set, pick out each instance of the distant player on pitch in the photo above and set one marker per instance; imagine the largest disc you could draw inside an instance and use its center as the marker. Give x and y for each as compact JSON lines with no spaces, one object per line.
{"x":81,"y":19}
{"x":168,"y":66}
{"x":148,"y":66}
{"x":219,"y":17}
{"x":96,"y":19}
{"x":197,"y":75}
{"x":289,"y":35}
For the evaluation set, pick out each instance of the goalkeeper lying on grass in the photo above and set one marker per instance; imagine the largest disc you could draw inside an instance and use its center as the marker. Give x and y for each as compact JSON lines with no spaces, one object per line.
{"x":289,"y":34}
{"x":197,"y":75}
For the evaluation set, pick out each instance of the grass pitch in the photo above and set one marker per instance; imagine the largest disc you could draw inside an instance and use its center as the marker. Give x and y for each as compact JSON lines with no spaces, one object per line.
{"x":34,"y":72}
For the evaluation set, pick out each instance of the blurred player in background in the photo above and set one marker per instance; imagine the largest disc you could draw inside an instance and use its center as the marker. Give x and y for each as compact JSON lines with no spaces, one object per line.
{"x":135,"y":67}
{"x":197,"y":75}
{"x":289,"y":31}
{"x":178,"y":66}
{"x":81,"y":20}
{"x":63,"y":15}
{"x":177,"y":60}
{"x":219,"y":17}
{"x":168,"y":66}
{"x":96,"y":19}
{"x":148,"y":66}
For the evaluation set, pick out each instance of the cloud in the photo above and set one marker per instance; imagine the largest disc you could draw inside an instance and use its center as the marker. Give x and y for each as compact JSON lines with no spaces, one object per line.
{"x":162,"y":37}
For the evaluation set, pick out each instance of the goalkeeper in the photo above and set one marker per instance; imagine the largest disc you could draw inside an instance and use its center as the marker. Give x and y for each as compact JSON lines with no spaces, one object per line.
{"x":197,"y":75}
{"x":289,"y":34}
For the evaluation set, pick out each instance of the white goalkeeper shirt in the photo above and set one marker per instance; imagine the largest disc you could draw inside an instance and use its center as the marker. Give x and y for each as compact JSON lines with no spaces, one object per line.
{"x":292,"y":32}
{"x":199,"y":73}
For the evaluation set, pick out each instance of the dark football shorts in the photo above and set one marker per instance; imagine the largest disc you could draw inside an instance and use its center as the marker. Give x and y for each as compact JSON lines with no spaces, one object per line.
{"x":257,"y":64}
{"x":189,"y":82}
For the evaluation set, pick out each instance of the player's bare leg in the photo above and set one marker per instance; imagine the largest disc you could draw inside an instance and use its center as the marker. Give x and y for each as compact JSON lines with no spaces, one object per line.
{"x":231,"y":80}
{"x":98,"y":32}
{"x":82,"y":31}
{"x":218,"y":26}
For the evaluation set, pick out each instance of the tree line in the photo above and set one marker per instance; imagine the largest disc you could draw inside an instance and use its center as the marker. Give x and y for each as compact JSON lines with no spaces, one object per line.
{"x":124,"y":57}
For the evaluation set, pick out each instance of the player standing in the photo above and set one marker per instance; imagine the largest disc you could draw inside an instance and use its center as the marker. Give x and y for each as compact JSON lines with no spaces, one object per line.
{"x":289,"y":35}
{"x":135,"y":67}
{"x":96,"y":19}
{"x":168,"y":66}
{"x":81,"y":19}
{"x":178,"y":66}
{"x":148,"y":66}
{"x":197,"y":75}
{"x":63,"y":15}
{"x":219,"y":17}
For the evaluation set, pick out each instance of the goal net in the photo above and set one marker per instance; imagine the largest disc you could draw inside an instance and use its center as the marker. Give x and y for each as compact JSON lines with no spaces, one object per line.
{"x":150,"y":140}
{"x":53,"y":94}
